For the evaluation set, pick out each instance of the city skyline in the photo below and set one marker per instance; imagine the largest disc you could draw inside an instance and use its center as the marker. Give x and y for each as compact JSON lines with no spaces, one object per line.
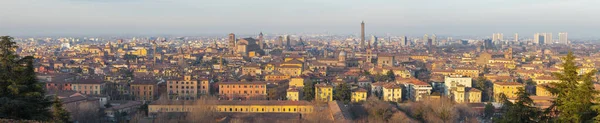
{"x":155,"y":17}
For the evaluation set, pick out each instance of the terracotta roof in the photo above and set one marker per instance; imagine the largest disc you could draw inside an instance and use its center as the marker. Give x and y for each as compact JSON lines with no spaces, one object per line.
{"x":546,"y":77}
{"x":360,"y":90}
{"x":417,"y":82}
{"x":391,"y":85}
{"x":322,"y":85}
{"x":474,"y":90}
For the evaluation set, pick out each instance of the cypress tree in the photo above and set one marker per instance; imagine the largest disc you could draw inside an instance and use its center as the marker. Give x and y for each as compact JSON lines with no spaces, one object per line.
{"x":522,"y":111}
{"x":574,"y":93}
{"x":21,"y":95}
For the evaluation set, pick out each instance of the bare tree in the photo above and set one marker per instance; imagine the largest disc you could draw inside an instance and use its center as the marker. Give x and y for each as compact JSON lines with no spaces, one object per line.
{"x":442,"y":110}
{"x":320,"y":114}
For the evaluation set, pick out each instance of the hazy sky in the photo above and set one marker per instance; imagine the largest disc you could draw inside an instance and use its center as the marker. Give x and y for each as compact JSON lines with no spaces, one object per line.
{"x":398,"y":17}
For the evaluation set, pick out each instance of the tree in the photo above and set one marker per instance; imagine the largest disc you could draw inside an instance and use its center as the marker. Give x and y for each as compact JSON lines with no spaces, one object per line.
{"x":60,"y":115}
{"x":522,"y":111}
{"x":342,"y":93}
{"x":530,"y":82}
{"x":391,"y":76}
{"x":21,"y":95}
{"x":308,"y":92}
{"x":489,"y":111}
{"x":485,"y":86}
{"x":574,"y":93}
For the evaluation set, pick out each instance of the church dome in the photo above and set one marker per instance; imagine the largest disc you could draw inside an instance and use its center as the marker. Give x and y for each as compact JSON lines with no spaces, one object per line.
{"x":342,"y":53}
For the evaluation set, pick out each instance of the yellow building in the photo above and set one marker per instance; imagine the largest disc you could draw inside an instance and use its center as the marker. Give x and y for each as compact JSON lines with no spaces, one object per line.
{"x":545,"y":79}
{"x":290,"y":70}
{"x":293,"y":94}
{"x":297,"y":82}
{"x":385,"y":60}
{"x":468,"y":72}
{"x":185,"y":88}
{"x":420,"y":57}
{"x":474,"y":95}
{"x":276,"y":77}
{"x":252,"y":54}
{"x":294,"y":57}
{"x":541,"y":91}
{"x":248,"y":106}
{"x":269,"y":67}
{"x":509,"y":89}
{"x":323,"y":92}
{"x":359,"y":95}
{"x":139,"y":52}
{"x":459,"y":94}
{"x":252,"y":69}
{"x":392,"y":92}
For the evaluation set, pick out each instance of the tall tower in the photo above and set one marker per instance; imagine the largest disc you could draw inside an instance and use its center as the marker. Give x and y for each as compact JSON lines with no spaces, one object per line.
{"x":362,"y":34}
{"x":280,"y":41}
{"x":434,"y":39}
{"x":548,"y":38}
{"x":563,"y":38}
{"x":405,"y":40}
{"x":231,"y":43}
{"x":541,"y":38}
{"x":425,"y":39}
{"x":516,"y":37}
{"x":496,"y":37}
{"x":260,"y":40}
{"x":287,"y":40}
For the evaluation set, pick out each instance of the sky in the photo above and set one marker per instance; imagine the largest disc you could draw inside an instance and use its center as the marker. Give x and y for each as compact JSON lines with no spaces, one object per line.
{"x":580,"y":18}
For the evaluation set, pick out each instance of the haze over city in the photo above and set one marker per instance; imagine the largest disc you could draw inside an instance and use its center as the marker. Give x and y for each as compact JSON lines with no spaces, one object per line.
{"x":301,"y":61}
{"x":199,"y":17}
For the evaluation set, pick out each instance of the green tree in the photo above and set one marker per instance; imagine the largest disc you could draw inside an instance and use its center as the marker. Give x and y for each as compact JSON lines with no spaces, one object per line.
{"x":342,"y":93}
{"x":391,"y":76}
{"x":574,"y":93}
{"x":21,"y":95}
{"x":308,"y":92}
{"x":489,"y":110}
{"x":60,"y":115}
{"x":529,"y":82}
{"x":522,"y":111}
{"x":485,"y":86}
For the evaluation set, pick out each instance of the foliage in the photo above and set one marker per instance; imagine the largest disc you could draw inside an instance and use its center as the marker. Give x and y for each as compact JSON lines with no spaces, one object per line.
{"x":308,"y":92}
{"x":575,"y":93}
{"x":21,"y":95}
{"x":485,"y":86}
{"x":529,"y":82}
{"x":384,"y":78}
{"x":60,"y":115}
{"x":522,"y":111}
{"x":107,"y":105}
{"x":342,"y":93}
{"x":391,"y":76}
{"x":489,"y":110}
{"x":438,"y":110}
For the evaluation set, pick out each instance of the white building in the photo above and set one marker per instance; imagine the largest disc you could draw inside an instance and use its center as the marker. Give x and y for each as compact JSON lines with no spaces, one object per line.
{"x":453,"y":81}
